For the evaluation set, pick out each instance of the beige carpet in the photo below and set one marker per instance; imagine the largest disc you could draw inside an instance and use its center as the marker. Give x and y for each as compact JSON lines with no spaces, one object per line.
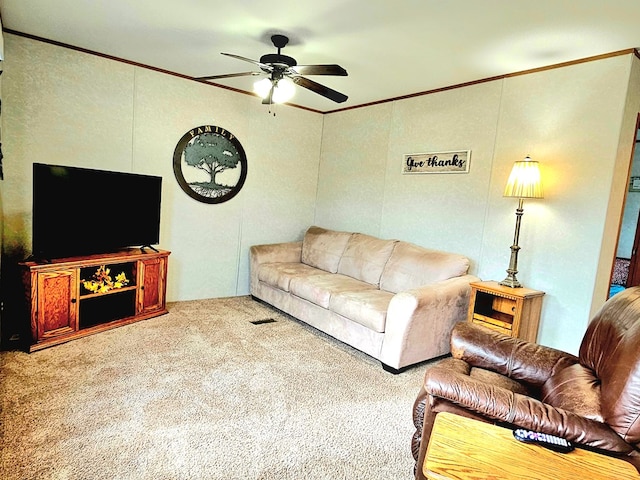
{"x":202,"y":393}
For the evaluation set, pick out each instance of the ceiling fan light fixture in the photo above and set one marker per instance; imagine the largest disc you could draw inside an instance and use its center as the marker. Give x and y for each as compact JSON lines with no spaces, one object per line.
{"x":262,"y":87}
{"x":284,"y":89}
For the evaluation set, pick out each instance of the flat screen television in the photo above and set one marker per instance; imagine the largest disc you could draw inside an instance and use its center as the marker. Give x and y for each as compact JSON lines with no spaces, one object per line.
{"x":81,"y":211}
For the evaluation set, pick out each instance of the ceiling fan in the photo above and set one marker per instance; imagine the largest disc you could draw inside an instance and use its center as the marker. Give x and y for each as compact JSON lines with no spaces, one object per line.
{"x":283,"y":71}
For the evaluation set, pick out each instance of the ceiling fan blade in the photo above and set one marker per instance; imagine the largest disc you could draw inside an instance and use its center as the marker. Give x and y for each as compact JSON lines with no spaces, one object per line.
{"x":245,"y":59}
{"x":320,"y":89}
{"x":332,"y":69}
{"x":228,"y":75}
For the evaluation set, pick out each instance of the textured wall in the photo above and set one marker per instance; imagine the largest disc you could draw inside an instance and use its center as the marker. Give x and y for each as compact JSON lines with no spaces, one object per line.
{"x":70,"y":108}
{"x":342,"y":170}
{"x":574,"y":120}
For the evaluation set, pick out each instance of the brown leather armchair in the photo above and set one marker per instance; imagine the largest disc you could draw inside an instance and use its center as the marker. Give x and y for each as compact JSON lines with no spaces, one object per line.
{"x":593,"y":400}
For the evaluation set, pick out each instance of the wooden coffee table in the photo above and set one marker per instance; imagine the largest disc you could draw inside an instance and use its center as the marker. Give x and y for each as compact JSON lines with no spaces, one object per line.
{"x":461,"y":448}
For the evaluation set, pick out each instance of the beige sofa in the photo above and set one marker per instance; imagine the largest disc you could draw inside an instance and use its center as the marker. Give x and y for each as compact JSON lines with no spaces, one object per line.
{"x":391,"y":299}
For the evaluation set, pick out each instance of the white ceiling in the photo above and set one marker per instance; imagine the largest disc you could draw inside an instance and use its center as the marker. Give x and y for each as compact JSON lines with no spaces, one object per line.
{"x":390,"y":48}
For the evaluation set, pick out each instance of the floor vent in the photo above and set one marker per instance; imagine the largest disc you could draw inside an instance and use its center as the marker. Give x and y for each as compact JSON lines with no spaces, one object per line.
{"x":260,"y":322}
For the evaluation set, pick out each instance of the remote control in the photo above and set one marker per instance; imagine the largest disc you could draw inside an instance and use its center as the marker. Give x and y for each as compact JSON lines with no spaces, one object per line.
{"x":557,"y":444}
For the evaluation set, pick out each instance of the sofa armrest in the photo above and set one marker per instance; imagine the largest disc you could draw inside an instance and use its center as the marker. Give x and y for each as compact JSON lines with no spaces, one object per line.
{"x":512,"y":357}
{"x":287,"y":252}
{"x":419,"y":321}
{"x":502,"y":405}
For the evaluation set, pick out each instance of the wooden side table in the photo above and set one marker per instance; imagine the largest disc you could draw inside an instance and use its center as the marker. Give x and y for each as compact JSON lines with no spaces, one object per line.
{"x":464,"y":449}
{"x":512,"y":311}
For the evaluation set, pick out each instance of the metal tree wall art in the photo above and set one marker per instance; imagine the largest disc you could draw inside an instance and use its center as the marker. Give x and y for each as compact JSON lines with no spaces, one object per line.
{"x":210,"y":164}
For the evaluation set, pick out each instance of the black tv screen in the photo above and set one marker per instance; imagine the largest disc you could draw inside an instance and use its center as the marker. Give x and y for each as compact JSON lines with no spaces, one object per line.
{"x":81,"y":211}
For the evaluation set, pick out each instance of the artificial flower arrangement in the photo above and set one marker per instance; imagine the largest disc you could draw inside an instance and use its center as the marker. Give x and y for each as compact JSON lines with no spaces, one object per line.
{"x":102,"y":282}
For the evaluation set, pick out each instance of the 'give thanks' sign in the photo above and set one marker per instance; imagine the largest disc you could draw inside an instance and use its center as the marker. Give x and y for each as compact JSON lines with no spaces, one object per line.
{"x":437,"y":162}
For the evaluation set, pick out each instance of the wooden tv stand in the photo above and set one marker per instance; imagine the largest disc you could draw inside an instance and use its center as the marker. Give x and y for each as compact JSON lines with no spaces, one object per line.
{"x":62,"y":309}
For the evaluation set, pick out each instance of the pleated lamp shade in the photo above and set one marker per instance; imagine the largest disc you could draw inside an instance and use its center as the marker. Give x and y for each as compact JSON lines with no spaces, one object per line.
{"x":524,"y":181}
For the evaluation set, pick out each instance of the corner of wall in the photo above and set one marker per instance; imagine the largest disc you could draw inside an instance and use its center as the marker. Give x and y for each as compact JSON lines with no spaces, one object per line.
{"x":629,"y":124}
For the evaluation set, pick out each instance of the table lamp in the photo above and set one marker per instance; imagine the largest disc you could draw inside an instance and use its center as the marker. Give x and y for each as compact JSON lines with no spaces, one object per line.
{"x":524,"y":182}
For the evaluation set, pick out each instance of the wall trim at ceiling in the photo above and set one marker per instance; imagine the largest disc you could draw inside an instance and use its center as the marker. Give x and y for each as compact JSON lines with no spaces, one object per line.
{"x":500,"y":77}
{"x":628,"y":51}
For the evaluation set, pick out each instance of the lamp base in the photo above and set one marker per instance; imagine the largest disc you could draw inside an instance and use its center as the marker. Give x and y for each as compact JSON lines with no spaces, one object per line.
{"x":511,"y":281}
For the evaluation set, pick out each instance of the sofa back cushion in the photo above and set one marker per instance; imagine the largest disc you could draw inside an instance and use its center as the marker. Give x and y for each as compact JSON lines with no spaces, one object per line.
{"x":365,"y":257}
{"x":322,"y":248}
{"x":411,"y":266}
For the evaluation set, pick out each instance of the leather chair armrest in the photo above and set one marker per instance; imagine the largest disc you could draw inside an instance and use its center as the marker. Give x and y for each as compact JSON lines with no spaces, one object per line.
{"x":502,"y":405}
{"x":515,"y":358}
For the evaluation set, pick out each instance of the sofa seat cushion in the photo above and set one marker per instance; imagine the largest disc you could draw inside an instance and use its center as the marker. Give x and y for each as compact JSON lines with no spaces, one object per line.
{"x":366,"y":307}
{"x":411,"y":266}
{"x":318,"y":289}
{"x":279,"y":275}
{"x":322,"y":248}
{"x":365,"y":257}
